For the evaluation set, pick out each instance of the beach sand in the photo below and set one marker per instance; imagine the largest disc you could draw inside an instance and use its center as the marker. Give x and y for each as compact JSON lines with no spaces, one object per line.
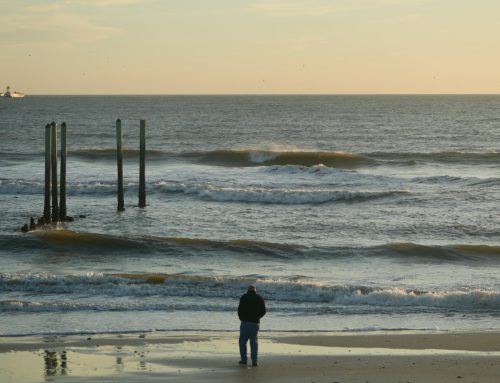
{"x":284,"y":357}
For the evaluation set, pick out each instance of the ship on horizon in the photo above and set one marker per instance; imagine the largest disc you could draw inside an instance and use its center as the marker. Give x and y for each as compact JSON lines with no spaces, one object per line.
{"x":10,"y":94}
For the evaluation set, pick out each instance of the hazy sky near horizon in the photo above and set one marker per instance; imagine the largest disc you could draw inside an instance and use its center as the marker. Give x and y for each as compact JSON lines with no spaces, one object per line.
{"x":250,"y":46}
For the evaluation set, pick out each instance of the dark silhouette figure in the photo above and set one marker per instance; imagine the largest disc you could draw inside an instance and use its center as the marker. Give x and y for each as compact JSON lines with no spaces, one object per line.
{"x":250,"y":310}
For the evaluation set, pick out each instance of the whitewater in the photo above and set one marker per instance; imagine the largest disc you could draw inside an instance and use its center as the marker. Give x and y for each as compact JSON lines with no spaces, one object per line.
{"x":348,"y":212}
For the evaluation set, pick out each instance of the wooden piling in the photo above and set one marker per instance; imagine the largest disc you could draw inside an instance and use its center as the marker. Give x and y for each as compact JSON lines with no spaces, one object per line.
{"x":53,"y":140}
{"x":119,"y":162}
{"x":142,"y":165}
{"x":62,"y":186}
{"x":46,"y":205}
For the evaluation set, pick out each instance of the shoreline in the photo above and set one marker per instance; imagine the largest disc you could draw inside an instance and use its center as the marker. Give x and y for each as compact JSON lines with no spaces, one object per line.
{"x":480,"y":341}
{"x":192,"y":356}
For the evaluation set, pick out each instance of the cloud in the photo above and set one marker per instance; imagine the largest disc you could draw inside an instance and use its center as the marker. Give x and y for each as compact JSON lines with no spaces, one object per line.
{"x":314,"y":8}
{"x":282,"y":8}
{"x":57,"y":29}
{"x":58,"y":23}
{"x":298,"y":43}
{"x":49,"y":7}
{"x":65,"y":4}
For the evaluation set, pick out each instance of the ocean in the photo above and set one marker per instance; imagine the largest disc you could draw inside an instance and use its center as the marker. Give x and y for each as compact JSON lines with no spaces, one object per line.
{"x":349,"y":213}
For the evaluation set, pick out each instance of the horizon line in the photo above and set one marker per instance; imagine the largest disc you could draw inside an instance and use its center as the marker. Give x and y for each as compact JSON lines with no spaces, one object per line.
{"x":262,"y":94}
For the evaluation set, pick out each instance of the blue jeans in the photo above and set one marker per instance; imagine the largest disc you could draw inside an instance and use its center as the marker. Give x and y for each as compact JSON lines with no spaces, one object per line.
{"x":249,"y":331}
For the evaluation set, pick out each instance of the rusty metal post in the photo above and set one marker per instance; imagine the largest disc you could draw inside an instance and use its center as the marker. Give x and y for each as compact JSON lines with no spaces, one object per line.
{"x":48,"y":150}
{"x":119,"y":163}
{"x":62,"y":196}
{"x":142,"y":165}
{"x":53,"y":137}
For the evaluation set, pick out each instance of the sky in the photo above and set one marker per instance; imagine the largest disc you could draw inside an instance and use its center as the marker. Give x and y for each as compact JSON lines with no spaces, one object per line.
{"x":250,"y":46}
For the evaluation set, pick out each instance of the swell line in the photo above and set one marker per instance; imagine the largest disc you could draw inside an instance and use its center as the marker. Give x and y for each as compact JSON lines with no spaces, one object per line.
{"x":256,"y":157}
{"x":95,"y":243}
{"x":110,"y":154}
{"x":442,"y":157}
{"x":281,"y":155}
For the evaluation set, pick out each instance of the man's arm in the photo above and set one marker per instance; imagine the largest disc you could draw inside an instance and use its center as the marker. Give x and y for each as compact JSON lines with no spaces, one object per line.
{"x":240,"y":309}
{"x":262,"y":308}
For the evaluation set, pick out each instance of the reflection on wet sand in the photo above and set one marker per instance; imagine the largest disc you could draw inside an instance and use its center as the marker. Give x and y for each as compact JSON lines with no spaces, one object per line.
{"x":56,"y":363}
{"x":49,"y":364}
{"x":119,"y":366}
{"x":142,"y":362}
{"x":96,"y":358}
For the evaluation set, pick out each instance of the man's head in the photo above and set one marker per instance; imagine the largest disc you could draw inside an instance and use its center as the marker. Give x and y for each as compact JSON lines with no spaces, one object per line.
{"x":251,"y":289}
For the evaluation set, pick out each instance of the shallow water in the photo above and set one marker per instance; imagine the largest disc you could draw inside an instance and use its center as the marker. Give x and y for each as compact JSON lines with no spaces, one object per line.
{"x":348,"y":212}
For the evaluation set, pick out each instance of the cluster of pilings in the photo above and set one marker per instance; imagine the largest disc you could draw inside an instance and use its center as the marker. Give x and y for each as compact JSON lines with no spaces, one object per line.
{"x":54,"y":208}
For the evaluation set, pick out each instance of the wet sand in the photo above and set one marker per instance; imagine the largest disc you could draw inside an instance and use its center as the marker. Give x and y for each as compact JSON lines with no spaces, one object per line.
{"x":284,"y":357}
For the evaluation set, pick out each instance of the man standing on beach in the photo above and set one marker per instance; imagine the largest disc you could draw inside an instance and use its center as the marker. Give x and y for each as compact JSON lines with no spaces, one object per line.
{"x":250,"y":310}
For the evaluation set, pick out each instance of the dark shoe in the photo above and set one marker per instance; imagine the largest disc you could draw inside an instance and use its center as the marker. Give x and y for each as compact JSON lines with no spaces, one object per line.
{"x":242,"y":363}
{"x":255,"y":364}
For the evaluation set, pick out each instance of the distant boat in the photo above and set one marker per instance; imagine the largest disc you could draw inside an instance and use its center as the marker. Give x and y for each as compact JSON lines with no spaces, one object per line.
{"x":10,"y":94}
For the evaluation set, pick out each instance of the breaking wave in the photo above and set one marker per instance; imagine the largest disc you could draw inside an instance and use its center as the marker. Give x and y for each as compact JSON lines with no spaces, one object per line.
{"x":281,"y":155}
{"x":158,"y":292}
{"x":290,"y":155}
{"x":274,"y":195}
{"x":257,"y":157}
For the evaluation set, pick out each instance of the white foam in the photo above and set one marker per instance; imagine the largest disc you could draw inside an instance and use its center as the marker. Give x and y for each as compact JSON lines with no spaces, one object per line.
{"x":289,"y":196}
{"x":260,"y":157}
{"x":319,"y":169}
{"x":303,"y":295}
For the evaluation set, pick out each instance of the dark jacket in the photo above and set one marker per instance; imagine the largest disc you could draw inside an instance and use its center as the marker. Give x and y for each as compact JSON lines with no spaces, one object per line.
{"x":251,"y":307}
